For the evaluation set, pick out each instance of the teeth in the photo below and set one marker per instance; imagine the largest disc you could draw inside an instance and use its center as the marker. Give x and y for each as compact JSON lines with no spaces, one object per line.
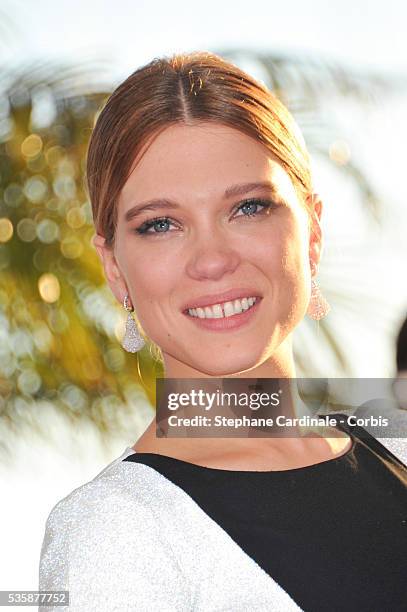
{"x":217,"y":311}
{"x":226,"y":309}
{"x":237,"y":306}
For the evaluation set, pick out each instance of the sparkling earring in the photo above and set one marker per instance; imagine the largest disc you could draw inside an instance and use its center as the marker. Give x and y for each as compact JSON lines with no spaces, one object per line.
{"x":132,"y":341}
{"x":318,"y":306}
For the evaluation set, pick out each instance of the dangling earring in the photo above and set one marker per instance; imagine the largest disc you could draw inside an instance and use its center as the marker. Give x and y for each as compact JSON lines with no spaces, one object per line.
{"x":318,"y":306}
{"x":132,"y":341}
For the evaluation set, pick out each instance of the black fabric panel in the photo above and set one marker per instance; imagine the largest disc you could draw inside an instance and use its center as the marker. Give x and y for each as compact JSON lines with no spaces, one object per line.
{"x":333,"y":535}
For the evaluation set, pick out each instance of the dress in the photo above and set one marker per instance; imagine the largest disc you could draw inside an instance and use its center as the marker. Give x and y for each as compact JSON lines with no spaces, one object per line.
{"x":156,"y":533}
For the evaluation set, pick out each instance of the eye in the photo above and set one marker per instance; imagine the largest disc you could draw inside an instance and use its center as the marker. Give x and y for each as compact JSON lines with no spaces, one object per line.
{"x":159,"y":224}
{"x":254,"y":206}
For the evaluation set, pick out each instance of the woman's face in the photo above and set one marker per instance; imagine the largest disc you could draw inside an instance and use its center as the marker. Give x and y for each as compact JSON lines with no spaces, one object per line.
{"x":229,"y":220}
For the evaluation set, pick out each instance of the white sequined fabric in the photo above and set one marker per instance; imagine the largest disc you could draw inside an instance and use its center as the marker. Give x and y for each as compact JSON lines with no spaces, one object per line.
{"x":131,"y":540}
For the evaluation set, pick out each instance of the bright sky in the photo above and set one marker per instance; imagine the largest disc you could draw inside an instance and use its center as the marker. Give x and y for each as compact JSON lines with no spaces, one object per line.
{"x":366,"y":32}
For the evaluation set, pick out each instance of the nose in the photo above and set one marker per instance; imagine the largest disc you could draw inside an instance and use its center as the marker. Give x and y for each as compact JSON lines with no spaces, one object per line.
{"x":212,"y":257}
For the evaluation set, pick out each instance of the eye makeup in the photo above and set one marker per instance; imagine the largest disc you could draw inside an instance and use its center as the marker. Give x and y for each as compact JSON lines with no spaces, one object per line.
{"x":261,"y":207}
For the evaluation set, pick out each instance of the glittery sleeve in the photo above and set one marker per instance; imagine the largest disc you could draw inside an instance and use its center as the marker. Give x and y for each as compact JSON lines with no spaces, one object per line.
{"x":397,"y":446}
{"x":53,"y":574}
{"x":108,"y":552}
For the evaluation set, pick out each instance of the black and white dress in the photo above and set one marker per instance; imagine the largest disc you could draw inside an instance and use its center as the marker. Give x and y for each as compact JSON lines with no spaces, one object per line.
{"x":151,"y":532}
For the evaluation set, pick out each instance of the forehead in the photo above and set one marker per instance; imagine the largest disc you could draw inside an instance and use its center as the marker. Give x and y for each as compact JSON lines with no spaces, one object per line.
{"x":201,"y":160}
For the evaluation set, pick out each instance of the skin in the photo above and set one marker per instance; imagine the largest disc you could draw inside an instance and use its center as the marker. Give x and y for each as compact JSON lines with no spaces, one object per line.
{"x":210,"y":247}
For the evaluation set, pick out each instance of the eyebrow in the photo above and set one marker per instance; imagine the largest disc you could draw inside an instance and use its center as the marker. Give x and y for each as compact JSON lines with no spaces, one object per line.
{"x":164,"y":203}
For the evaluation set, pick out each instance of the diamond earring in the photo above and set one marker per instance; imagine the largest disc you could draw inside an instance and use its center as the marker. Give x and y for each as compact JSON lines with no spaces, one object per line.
{"x":318,"y":306}
{"x":132,"y":341}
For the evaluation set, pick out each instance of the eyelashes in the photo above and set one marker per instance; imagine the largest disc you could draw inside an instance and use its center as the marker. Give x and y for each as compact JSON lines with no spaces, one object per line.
{"x":253,"y":207}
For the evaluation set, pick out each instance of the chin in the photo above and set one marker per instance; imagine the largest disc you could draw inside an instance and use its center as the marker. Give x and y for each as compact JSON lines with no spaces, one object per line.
{"x":229,"y":368}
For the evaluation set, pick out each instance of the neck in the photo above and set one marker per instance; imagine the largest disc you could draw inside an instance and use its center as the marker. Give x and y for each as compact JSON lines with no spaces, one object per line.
{"x":279,"y":366}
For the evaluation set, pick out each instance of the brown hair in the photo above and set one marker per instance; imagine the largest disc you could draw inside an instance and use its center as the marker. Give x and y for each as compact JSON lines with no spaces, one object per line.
{"x":185,"y":88}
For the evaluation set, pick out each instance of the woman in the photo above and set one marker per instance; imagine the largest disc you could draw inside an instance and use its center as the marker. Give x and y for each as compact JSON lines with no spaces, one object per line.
{"x":208,"y":227}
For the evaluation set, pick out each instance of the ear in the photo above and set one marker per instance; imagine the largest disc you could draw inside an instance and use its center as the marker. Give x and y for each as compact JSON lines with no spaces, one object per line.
{"x":315,"y":208}
{"x":113,"y":274}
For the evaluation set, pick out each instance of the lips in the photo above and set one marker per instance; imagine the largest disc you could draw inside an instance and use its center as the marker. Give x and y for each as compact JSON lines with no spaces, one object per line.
{"x":227,"y":324}
{"x":219,"y":298}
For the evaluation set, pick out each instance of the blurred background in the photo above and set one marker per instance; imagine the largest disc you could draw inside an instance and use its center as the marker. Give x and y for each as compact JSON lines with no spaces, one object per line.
{"x":71,"y":399}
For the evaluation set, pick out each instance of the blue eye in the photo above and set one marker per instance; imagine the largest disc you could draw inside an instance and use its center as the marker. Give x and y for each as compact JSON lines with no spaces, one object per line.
{"x":250,"y":207}
{"x":160,"y":225}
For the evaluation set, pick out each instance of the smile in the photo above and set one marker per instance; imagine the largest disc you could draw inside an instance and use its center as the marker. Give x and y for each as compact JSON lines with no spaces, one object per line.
{"x":221,"y":318}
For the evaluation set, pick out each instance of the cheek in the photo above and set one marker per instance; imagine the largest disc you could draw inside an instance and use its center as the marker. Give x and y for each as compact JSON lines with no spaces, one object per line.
{"x":284,"y":257}
{"x":145,"y":268}
{"x":153,"y":276}
{"x":296,"y":293}
{"x":282,"y":252}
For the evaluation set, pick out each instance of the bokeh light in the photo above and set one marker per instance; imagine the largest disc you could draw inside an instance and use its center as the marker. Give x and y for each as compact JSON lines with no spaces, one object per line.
{"x":6,"y":229}
{"x":49,"y":288}
{"x":36,"y":188}
{"x":339,"y":152}
{"x":26,"y":230}
{"x":31,"y":146}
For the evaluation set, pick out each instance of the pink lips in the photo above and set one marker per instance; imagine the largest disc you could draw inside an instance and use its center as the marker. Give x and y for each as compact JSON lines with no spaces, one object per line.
{"x":219,"y":298}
